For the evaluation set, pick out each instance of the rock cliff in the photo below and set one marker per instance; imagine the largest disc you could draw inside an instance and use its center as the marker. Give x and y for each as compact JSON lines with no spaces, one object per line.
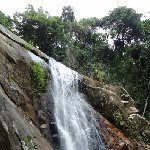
{"x":26,"y":116}
{"x":19,"y":118}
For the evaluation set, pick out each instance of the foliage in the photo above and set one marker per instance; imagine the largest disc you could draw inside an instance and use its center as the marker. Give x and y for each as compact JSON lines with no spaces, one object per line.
{"x":28,"y":144}
{"x":5,"y":20}
{"x":43,"y":31}
{"x":119,"y":118}
{"x":124,"y":27}
{"x":38,"y":77}
{"x":124,"y":24}
{"x":68,"y":14}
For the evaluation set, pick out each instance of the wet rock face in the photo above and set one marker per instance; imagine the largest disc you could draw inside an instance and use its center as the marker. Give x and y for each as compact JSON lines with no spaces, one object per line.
{"x":115,"y":139}
{"x":43,"y":106}
{"x":112,"y":137}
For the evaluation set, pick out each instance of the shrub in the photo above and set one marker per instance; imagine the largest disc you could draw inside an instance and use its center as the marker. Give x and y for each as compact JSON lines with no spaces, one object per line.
{"x":38,"y":77}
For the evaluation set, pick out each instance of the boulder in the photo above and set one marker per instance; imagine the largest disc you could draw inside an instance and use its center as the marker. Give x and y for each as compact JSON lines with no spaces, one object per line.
{"x":107,"y":99}
{"x":115,"y":104}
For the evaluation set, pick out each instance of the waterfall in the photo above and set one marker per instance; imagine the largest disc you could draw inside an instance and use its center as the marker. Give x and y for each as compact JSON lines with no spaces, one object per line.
{"x":73,"y":116}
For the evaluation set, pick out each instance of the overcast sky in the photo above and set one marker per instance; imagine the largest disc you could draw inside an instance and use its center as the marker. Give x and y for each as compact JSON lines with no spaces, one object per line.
{"x":82,"y":8}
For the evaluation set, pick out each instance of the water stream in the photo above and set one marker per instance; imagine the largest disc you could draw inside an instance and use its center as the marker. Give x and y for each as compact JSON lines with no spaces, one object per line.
{"x":73,"y":116}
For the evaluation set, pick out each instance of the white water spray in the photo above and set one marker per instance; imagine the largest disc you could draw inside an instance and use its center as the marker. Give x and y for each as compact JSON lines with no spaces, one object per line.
{"x":73,"y":116}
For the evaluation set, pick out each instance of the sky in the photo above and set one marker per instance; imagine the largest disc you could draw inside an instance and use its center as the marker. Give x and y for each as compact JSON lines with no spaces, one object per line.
{"x":82,"y":8}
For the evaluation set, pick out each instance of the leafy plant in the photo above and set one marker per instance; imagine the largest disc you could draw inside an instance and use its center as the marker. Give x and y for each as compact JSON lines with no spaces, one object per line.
{"x":38,"y":77}
{"x":28,"y":144}
{"x":118,"y":116}
{"x":100,"y":75}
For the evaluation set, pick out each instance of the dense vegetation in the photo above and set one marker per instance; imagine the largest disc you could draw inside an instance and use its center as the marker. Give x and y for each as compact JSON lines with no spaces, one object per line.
{"x":38,"y":77}
{"x":82,"y":46}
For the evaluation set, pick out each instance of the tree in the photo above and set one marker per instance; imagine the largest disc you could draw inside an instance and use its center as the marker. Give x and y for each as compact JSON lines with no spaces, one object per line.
{"x":5,"y":20}
{"x":68,"y":14}
{"x":124,"y":26}
{"x":42,"y":30}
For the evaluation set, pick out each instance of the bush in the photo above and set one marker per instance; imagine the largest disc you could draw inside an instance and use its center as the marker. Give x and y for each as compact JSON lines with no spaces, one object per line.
{"x":38,"y":77}
{"x":28,"y":144}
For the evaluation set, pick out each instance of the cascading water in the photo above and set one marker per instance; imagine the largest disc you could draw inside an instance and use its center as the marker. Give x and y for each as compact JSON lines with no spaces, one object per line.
{"x":74,"y":119}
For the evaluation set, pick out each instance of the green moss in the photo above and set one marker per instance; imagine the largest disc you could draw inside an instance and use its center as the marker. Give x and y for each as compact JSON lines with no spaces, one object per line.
{"x":38,"y":77}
